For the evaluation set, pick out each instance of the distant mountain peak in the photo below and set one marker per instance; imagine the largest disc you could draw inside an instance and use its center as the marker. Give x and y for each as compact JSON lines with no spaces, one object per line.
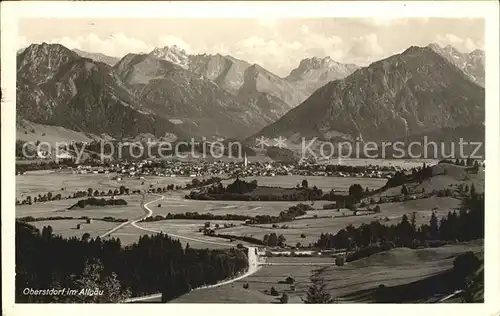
{"x":314,"y":72}
{"x":408,"y":93}
{"x":472,"y":64}
{"x":110,"y":60}
{"x":174,"y":54}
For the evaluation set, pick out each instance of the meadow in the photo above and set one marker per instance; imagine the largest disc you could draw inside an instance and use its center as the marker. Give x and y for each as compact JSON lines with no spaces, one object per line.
{"x":392,"y":268}
{"x":398,"y":163}
{"x":322,"y":182}
{"x":175,"y":204}
{"x":67,"y":228}
{"x":312,"y":228}
{"x":59,"y":208}
{"x":259,"y":283}
{"x":190,"y":230}
{"x":66,"y":183}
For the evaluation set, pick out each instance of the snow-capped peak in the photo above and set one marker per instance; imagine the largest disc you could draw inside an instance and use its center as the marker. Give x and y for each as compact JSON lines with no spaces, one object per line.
{"x":173,"y":54}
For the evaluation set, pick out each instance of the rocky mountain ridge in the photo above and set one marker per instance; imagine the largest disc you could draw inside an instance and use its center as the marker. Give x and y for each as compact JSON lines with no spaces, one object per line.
{"x":414,"y":92}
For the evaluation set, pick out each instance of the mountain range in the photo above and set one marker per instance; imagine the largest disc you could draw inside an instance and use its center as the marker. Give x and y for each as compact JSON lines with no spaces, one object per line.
{"x":197,"y":95}
{"x":168,"y":91}
{"x":417,"y":91}
{"x":472,"y":64}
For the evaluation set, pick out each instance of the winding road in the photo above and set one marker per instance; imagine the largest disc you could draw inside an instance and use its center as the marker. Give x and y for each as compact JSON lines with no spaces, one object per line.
{"x":254,"y":261}
{"x":149,"y":212}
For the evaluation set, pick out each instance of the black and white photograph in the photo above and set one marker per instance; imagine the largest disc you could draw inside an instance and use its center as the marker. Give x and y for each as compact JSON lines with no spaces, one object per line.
{"x":274,"y":158}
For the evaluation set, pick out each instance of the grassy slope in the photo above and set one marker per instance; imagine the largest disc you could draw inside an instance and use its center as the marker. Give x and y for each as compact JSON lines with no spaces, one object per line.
{"x":409,"y":275}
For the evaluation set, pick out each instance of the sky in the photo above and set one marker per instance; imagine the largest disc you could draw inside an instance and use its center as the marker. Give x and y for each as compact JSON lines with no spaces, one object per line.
{"x":276,"y":44}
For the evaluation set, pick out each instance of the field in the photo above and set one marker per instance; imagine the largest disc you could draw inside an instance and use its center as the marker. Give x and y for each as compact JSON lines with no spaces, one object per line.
{"x":67,"y":228}
{"x":59,"y":208}
{"x":392,"y":268}
{"x":313,"y":227}
{"x":64,"y":182}
{"x":395,"y":267}
{"x":324,"y":183}
{"x":400,"y":163}
{"x":29,"y":131}
{"x":454,"y":176}
{"x":176,"y":205}
{"x":259,"y":283}
{"x":190,"y":229}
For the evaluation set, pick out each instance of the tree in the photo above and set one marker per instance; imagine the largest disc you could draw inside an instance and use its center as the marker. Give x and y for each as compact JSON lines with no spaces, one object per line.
{"x":305,"y":184}
{"x":92,"y":278}
{"x":413,"y":223}
{"x":284,"y":298}
{"x":317,"y":293}
{"x":469,"y":162}
{"x":281,"y":240}
{"x":274,"y":292}
{"x":404,"y":190}
{"x":265,"y":239}
{"x":340,"y":260}
{"x":465,"y":264}
{"x":85,"y":237}
{"x":47,"y":232}
{"x":434,"y":229}
{"x":356,"y":191}
{"x":272,"y":240}
{"x":473,"y":191}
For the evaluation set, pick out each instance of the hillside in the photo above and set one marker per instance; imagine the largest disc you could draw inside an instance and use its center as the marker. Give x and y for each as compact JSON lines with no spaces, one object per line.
{"x":226,"y":71}
{"x":472,"y":64}
{"x":409,"y":275}
{"x":313,"y":73}
{"x":196,"y":105}
{"x":57,"y":87}
{"x":110,"y":60}
{"x":415,"y":92}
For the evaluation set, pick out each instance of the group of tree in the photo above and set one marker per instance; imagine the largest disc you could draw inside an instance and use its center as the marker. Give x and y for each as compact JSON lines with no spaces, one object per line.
{"x":416,"y":175}
{"x":198,"y":216}
{"x":468,"y":162}
{"x":97,"y":202}
{"x":170,"y":187}
{"x":28,"y":219}
{"x":273,"y":240}
{"x":284,"y":216}
{"x":467,"y":224}
{"x":153,"y":264}
{"x":355,"y":169}
{"x":39,"y":199}
{"x":44,"y":165}
{"x":248,"y":239}
{"x":196,"y":183}
{"x":317,"y":292}
{"x":241,"y":186}
{"x":90,"y":192}
{"x":241,"y":190}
